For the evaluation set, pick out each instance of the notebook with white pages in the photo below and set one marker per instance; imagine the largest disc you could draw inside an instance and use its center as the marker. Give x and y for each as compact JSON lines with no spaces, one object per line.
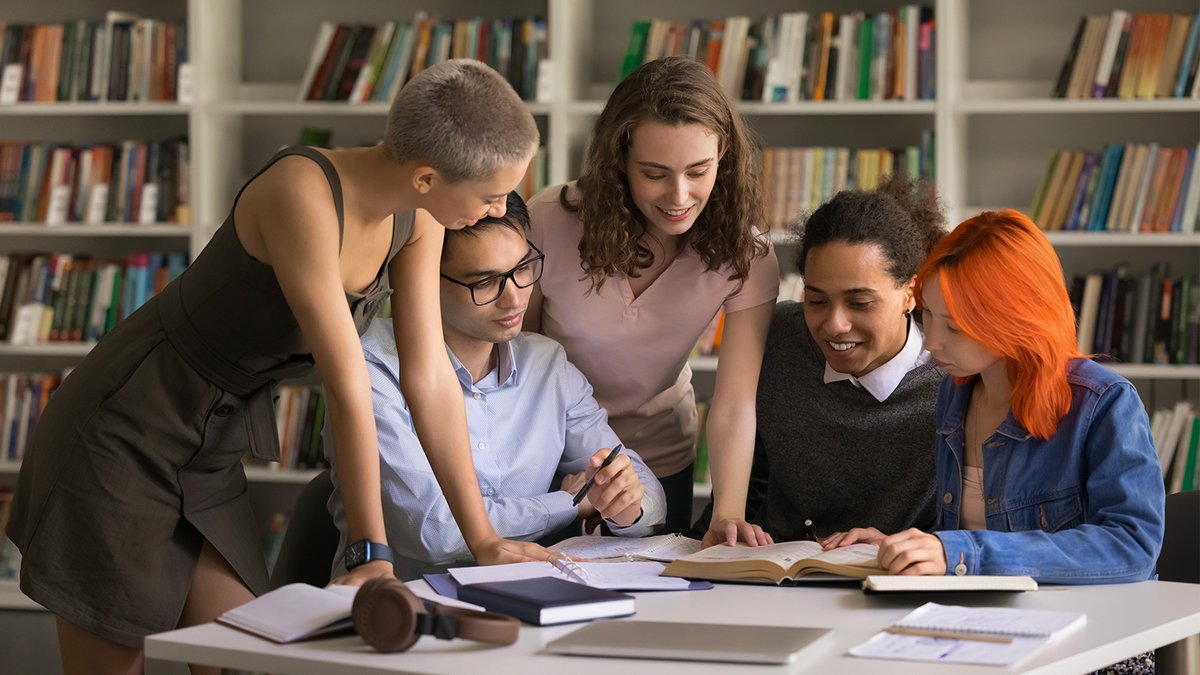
{"x":997,"y":636}
{"x":918,"y":584}
{"x":300,"y":611}
{"x":617,"y":576}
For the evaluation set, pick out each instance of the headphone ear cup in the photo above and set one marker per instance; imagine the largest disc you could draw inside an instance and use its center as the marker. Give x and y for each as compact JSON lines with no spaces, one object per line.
{"x":385,"y":614}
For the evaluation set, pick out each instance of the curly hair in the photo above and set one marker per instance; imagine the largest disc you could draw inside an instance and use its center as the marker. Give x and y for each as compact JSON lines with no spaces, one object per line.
{"x":674,"y":91}
{"x":990,"y":264}
{"x":901,"y":216}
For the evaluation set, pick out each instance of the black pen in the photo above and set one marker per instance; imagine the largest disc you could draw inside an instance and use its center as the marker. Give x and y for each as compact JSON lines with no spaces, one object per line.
{"x":612,"y":454}
{"x":812,"y":534}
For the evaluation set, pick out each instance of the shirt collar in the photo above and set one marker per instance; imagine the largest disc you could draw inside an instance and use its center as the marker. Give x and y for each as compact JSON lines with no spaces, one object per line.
{"x":882,"y":381}
{"x":956,"y":412}
{"x":506,"y":368}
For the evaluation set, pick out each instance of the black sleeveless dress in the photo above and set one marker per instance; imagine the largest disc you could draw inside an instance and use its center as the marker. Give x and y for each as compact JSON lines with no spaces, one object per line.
{"x":137,"y":458}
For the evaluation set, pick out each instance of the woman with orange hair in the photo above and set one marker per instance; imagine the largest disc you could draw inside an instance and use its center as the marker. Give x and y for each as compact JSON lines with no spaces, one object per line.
{"x":1045,"y":463}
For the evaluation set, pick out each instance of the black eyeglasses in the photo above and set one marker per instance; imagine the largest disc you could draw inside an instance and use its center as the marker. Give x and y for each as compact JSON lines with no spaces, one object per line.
{"x":488,"y":290}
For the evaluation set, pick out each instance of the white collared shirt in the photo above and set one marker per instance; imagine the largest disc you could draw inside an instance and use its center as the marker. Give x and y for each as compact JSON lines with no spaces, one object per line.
{"x":882,"y":381}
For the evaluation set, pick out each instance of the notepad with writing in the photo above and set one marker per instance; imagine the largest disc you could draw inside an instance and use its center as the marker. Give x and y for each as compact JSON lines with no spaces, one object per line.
{"x":614,"y":576}
{"x":664,"y":547}
{"x":545,"y":601}
{"x":919,"y":584}
{"x":954,"y":634}
{"x":776,"y":563}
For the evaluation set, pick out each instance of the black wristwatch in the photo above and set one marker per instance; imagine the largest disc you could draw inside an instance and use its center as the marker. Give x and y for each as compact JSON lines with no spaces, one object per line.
{"x":364,"y":551}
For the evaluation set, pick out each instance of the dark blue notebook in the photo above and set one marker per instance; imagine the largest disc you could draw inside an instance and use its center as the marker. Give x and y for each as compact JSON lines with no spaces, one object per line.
{"x":544,"y":601}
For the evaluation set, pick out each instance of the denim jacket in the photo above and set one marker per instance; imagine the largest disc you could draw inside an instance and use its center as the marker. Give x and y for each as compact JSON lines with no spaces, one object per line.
{"x":1083,"y":507}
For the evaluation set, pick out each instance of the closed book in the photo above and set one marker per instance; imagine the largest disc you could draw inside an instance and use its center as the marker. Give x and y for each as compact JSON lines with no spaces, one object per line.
{"x":919,"y":584}
{"x":545,"y":601}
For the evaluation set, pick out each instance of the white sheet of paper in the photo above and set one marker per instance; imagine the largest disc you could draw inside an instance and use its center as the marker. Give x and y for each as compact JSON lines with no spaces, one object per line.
{"x":939,"y":650}
{"x":627,"y":576}
{"x":665,"y":547}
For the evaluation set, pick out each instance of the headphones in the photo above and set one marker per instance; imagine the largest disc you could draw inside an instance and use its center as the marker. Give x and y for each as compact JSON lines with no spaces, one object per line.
{"x":391,"y":618}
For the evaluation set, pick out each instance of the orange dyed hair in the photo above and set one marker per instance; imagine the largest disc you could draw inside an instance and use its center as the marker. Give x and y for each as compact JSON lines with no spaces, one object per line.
{"x":1003,"y":287}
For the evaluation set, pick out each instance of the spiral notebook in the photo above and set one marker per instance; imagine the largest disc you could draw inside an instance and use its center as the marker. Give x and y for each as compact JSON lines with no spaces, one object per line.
{"x":997,"y":636}
{"x":991,"y":620}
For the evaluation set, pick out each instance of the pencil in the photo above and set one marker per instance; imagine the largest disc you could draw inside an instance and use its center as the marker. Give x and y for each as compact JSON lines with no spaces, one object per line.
{"x":948,"y":634}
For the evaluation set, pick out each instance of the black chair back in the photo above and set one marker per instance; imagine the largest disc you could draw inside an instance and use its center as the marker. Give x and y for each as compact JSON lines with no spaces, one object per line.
{"x":311,"y":540}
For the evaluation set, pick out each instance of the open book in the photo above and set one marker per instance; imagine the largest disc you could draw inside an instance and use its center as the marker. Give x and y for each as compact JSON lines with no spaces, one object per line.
{"x":996,"y":636}
{"x":294,"y":612}
{"x":300,"y":611}
{"x":664,"y":547}
{"x":777,"y":563}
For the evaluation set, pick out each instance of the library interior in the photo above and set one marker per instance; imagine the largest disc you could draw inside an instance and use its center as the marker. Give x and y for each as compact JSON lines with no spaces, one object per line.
{"x":128,"y":129}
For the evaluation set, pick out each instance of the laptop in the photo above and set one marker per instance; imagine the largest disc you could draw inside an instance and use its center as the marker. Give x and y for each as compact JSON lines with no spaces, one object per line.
{"x":694,"y":642}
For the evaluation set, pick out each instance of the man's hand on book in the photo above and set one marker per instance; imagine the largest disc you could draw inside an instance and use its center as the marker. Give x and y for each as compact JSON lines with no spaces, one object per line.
{"x":912,"y":552}
{"x":732,"y":530}
{"x":856,"y":535}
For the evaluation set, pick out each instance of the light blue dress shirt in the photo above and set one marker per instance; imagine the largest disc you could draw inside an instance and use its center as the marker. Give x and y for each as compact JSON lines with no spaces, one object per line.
{"x":530,"y":419}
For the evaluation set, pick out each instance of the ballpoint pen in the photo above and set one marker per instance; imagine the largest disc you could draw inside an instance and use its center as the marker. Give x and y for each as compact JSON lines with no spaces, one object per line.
{"x":809,"y":531}
{"x":612,"y":454}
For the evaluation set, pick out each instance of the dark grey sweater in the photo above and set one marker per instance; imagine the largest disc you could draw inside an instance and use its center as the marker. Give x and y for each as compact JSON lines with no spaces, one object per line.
{"x":831,"y":452}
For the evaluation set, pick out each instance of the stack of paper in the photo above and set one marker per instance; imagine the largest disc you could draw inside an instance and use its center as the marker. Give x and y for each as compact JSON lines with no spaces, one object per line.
{"x":995,"y":636}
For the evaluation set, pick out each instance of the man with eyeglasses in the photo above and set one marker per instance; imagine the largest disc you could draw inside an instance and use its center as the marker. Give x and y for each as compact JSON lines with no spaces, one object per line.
{"x":530,"y":414}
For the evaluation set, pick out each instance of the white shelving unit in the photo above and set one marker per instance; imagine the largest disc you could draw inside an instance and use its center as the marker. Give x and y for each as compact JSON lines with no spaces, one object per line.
{"x":994,"y":123}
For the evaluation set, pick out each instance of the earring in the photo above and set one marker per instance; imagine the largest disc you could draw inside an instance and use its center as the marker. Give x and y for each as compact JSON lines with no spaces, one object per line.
{"x":908,"y":313}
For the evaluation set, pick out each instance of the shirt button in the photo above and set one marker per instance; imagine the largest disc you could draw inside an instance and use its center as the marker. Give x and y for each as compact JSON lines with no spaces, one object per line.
{"x":491,"y":491}
{"x":960,"y":569}
{"x":477,"y":396}
{"x":224,"y":411}
{"x":481,"y":445}
{"x":947,"y":498}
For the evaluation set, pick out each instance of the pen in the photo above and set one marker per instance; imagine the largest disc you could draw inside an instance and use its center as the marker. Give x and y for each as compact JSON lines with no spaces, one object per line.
{"x":612,"y":454}
{"x":809,"y":531}
{"x":948,"y":634}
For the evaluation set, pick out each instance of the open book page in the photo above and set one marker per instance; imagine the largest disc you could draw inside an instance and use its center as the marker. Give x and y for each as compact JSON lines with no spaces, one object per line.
{"x":627,"y":576}
{"x":787,"y":554}
{"x":293,"y":612}
{"x":992,"y":620}
{"x":665,"y":547}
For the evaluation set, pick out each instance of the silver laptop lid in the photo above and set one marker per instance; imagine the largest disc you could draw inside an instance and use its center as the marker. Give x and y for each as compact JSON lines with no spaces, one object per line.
{"x":692,"y":641}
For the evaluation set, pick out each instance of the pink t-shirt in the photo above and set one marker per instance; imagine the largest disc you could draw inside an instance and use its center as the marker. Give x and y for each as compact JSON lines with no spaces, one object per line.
{"x":635,"y":351}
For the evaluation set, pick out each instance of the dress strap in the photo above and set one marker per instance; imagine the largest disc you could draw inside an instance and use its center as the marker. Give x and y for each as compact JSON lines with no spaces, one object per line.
{"x":335,"y":183}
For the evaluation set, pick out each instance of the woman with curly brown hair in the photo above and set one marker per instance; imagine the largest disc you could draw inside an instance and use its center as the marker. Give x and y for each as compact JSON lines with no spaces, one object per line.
{"x":657,"y":235}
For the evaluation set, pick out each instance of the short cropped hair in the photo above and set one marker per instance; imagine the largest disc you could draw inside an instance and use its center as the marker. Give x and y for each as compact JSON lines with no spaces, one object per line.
{"x":515,"y":218}
{"x":462,"y":118}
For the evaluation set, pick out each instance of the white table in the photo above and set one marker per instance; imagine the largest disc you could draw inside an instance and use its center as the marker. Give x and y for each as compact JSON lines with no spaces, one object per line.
{"x":1122,"y":620}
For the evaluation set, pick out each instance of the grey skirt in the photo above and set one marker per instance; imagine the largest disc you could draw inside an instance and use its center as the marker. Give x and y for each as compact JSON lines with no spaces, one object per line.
{"x":134,"y":463}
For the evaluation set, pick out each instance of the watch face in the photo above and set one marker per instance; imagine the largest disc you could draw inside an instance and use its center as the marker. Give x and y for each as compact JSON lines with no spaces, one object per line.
{"x":355,"y":555}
